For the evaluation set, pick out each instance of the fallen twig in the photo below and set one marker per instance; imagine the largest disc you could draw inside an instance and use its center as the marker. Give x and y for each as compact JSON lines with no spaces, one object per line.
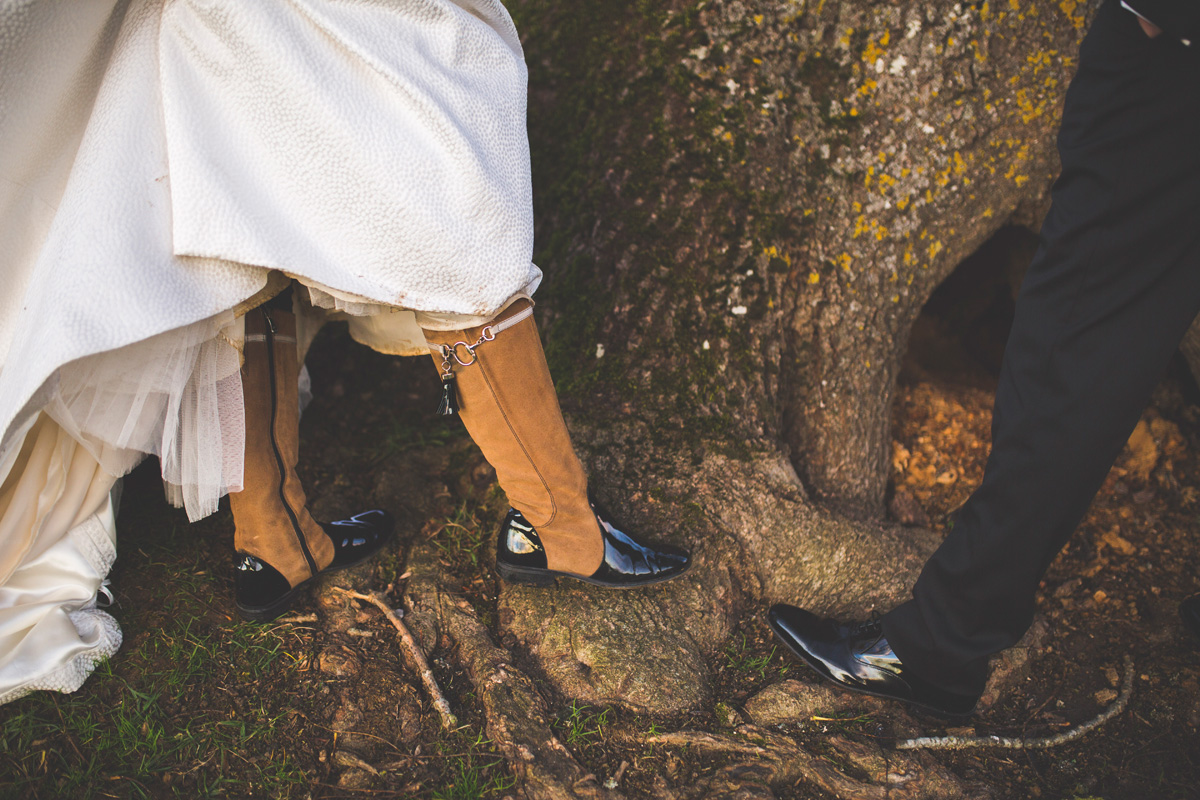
{"x":435,"y":694}
{"x":964,"y":742}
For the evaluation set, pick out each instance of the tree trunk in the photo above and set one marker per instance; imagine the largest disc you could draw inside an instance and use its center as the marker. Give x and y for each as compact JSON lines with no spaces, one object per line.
{"x":744,"y":206}
{"x":742,"y":209}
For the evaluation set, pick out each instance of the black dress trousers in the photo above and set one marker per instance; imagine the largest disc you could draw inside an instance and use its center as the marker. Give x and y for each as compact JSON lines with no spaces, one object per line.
{"x":1110,"y":293}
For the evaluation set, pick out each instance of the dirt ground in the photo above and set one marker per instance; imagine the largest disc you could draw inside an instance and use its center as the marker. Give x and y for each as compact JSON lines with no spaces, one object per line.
{"x":322,"y":704}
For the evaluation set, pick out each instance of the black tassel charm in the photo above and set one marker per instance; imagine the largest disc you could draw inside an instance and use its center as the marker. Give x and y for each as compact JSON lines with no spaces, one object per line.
{"x":449,"y":405}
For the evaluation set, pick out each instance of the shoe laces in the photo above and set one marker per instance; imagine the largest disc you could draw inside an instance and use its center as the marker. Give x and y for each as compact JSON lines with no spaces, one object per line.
{"x":868,"y":627}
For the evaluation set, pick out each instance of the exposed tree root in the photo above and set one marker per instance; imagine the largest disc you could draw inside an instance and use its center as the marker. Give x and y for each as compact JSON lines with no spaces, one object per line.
{"x":422,"y":666}
{"x":965,"y":742}
{"x":765,"y":761}
{"x":787,"y":548}
{"x":517,"y":717}
{"x":637,"y":649}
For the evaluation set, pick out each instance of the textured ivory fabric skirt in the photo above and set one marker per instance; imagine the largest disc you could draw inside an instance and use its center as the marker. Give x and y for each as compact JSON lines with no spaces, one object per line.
{"x":163,"y":163}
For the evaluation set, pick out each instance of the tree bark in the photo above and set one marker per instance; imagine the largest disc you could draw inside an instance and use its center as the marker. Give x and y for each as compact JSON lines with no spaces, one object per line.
{"x":743,"y":206}
{"x":742,"y":209}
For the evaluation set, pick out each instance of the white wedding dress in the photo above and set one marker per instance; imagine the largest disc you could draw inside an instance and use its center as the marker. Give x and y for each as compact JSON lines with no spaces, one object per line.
{"x":163,"y":163}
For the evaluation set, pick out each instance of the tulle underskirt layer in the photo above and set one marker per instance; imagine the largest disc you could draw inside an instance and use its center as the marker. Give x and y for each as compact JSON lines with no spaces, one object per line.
{"x":177,"y":396}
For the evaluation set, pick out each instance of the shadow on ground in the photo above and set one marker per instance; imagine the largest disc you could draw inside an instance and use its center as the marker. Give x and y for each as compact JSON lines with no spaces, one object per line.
{"x":323,"y":704}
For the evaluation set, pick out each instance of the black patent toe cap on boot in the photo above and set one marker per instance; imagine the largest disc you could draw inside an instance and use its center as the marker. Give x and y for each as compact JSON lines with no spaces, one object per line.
{"x":858,"y":657}
{"x":260,"y":590}
{"x":628,"y":562}
{"x":521,"y":558}
{"x":358,"y":538}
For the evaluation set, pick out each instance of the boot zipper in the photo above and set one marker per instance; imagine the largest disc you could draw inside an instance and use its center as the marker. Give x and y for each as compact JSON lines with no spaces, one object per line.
{"x":312,"y":564}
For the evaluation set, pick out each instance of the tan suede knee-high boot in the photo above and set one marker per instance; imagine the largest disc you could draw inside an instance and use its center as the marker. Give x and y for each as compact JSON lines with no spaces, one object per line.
{"x":508,"y":404}
{"x":270,"y":513}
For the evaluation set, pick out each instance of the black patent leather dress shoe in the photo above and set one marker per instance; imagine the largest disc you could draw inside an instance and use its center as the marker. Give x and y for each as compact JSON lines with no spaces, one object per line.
{"x":520,"y":558}
{"x":263,"y":593}
{"x":858,"y":657}
{"x":1189,"y":612}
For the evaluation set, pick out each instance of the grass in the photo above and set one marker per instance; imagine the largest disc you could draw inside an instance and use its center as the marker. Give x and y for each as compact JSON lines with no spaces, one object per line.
{"x":121,"y":736}
{"x":582,"y":725}
{"x":741,"y":658}
{"x":845,"y":723}
{"x":191,"y":706}
{"x":401,"y":434}
{"x":462,"y":538}
{"x":473,"y":771}
{"x":198,"y":704}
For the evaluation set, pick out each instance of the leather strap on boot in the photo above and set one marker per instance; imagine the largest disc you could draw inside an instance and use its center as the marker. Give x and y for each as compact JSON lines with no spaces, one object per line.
{"x":507,"y":402}
{"x":270,"y":513}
